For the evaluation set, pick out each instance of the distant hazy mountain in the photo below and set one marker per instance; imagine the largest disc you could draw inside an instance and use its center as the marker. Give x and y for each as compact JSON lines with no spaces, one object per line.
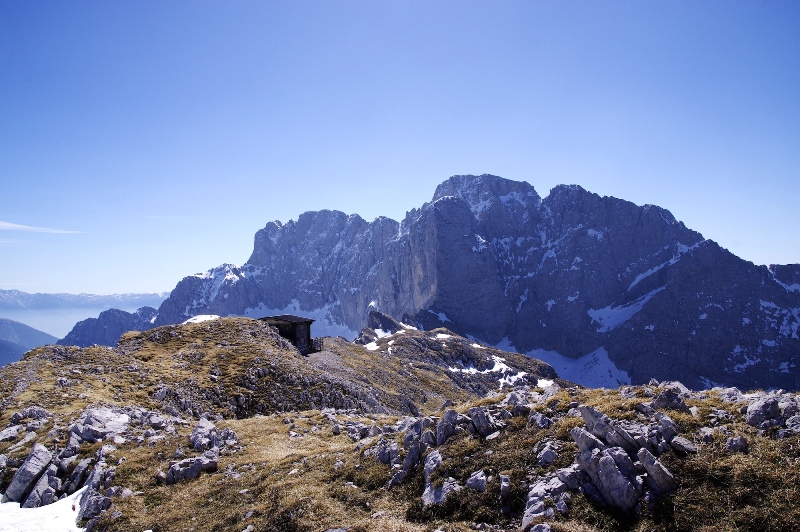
{"x":58,"y":313}
{"x":17,"y":338}
{"x":605,"y":290}
{"x":15,"y":300}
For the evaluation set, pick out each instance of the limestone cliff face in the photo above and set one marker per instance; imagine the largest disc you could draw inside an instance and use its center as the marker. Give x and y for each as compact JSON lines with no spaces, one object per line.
{"x":573,"y":273}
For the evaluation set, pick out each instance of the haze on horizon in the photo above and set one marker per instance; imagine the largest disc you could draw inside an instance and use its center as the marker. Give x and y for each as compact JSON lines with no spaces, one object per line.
{"x":140,"y":143}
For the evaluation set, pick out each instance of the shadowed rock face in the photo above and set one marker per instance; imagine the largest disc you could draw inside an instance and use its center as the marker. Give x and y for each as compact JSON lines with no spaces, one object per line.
{"x":572,"y":273}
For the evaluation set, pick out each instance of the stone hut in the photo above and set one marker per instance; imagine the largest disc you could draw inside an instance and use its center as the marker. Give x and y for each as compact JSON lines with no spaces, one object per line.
{"x":296,"y":329}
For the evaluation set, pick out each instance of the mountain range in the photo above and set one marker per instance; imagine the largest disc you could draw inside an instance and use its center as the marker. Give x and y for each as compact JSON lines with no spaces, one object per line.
{"x":57,"y":314}
{"x":606,"y":291}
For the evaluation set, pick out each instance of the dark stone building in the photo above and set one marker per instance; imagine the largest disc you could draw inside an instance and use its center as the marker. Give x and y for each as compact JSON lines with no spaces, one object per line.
{"x":296,"y":329}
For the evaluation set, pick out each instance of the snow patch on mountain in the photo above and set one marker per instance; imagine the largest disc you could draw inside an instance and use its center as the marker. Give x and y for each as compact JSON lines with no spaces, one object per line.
{"x":681,"y":251}
{"x":610,"y":317}
{"x":594,"y":370}
{"x":216,"y":279}
{"x":441,"y":315}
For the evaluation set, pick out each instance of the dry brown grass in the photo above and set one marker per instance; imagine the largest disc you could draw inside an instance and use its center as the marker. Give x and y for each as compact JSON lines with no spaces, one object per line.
{"x":277,"y":482}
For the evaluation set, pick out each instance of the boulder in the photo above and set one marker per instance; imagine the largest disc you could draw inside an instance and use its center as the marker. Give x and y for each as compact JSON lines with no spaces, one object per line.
{"x":505,"y":486}
{"x":793,"y":424}
{"x":483,"y":420}
{"x":597,"y":423}
{"x":428,"y":438}
{"x":31,"y":412}
{"x":730,"y":395}
{"x":670,"y":399}
{"x":94,"y":501}
{"x":667,"y":428}
{"x":434,"y":495}
{"x":547,"y":455}
{"x":99,"y":423}
{"x":205,"y":436}
{"x":78,"y":476}
{"x":190,"y":468}
{"x":761,"y":410}
{"x":682,"y":445}
{"x":44,"y":492}
{"x":28,"y":473}
{"x":539,"y":420}
{"x":545,"y":490}
{"x":157,"y":422}
{"x":617,"y":489}
{"x":413,"y":456}
{"x":10,"y":433}
{"x":432,"y":463}
{"x":385,"y":451}
{"x":477,"y":481}
{"x":659,"y":478}
{"x":571,"y":476}
{"x":446,"y":427}
{"x":585,"y":440}
{"x":737,"y":444}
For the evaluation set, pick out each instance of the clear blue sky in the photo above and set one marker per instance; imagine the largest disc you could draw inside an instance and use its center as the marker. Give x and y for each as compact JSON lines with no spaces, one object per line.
{"x":164,"y":134}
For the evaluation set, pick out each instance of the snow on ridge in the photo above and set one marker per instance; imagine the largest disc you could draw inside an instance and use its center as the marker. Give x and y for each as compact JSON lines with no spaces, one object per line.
{"x":788,"y":287}
{"x":610,"y":317}
{"x":513,"y":196}
{"x":682,"y":250}
{"x":220,"y":276}
{"x":201,"y":318}
{"x":507,"y":376}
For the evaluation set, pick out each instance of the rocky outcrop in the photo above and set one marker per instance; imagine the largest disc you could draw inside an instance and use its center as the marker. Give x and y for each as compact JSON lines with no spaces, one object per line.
{"x":190,"y":468}
{"x":109,"y":326}
{"x":573,"y":273}
{"x":28,"y":474}
{"x":206,"y":436}
{"x":97,"y":424}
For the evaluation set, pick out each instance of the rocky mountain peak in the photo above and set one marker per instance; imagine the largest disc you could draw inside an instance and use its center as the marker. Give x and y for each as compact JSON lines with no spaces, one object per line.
{"x":582,"y":280}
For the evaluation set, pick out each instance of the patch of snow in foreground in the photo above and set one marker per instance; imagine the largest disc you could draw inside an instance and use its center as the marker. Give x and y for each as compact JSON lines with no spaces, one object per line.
{"x":477,"y":346}
{"x":201,"y":318}
{"x":442,"y":336}
{"x":594,"y":370}
{"x":511,"y":379}
{"x":500,"y":366}
{"x":544,"y":383}
{"x":372,"y":346}
{"x":57,"y":517}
